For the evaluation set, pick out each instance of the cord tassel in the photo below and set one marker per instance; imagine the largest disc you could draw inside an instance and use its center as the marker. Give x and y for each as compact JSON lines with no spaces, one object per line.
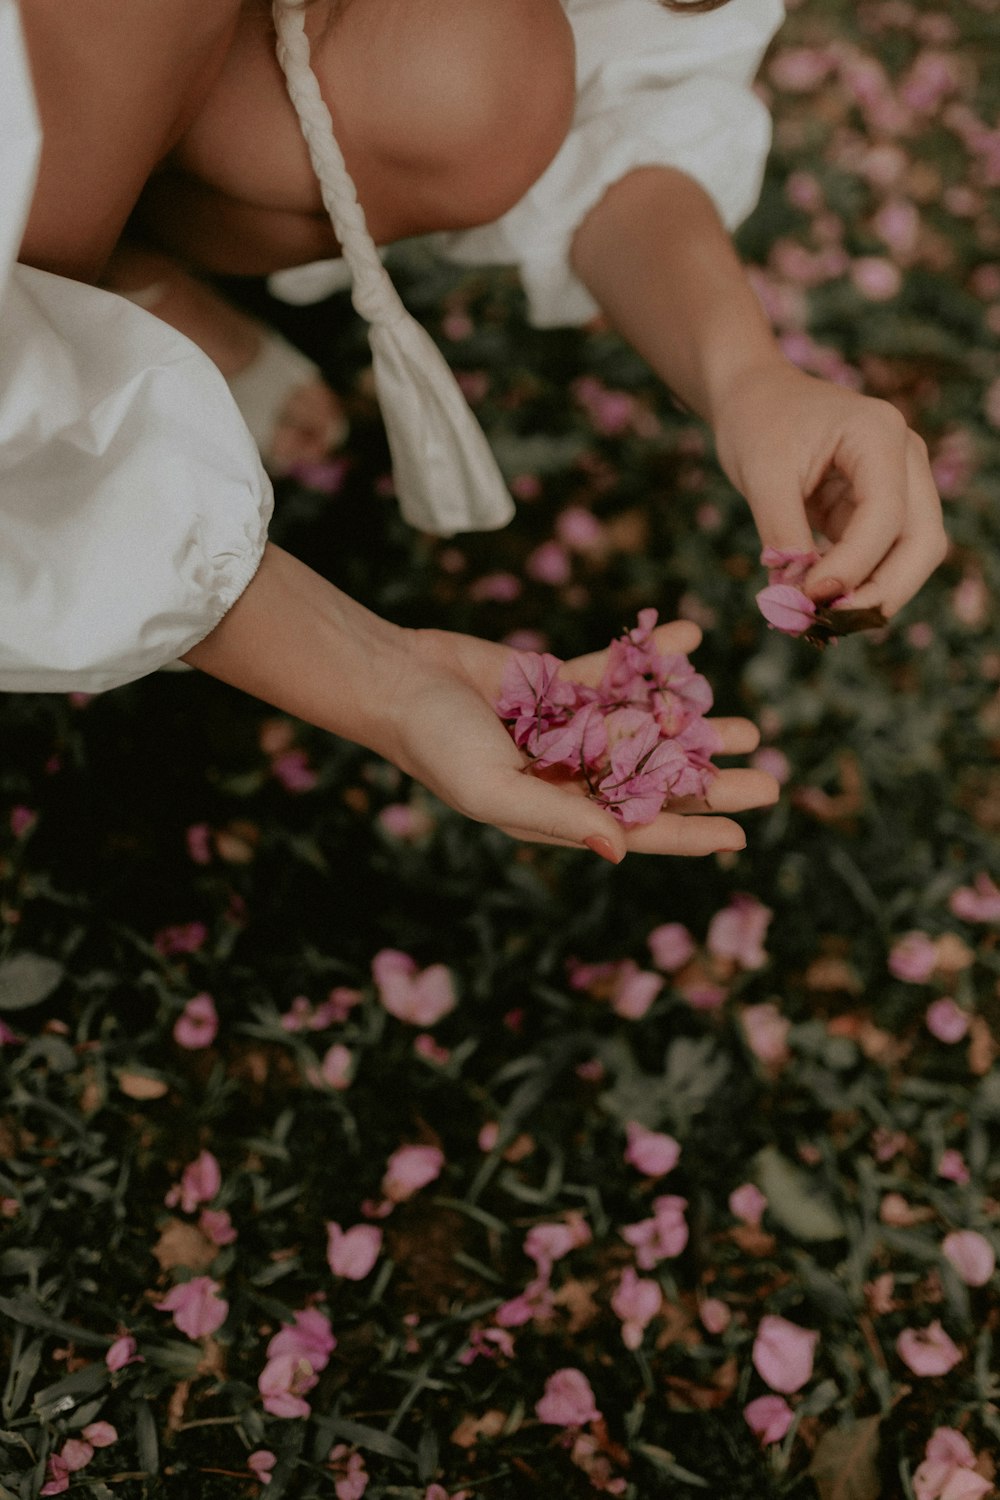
{"x":447,"y":478}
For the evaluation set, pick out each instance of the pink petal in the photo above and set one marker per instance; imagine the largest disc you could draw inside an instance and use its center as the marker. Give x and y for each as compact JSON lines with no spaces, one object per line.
{"x":783,"y":1353}
{"x":971,"y":1254}
{"x":568,"y":1400}
{"x":352,"y":1253}
{"x":786,"y":608}
{"x":928,"y":1351}
{"x":769,"y":1417}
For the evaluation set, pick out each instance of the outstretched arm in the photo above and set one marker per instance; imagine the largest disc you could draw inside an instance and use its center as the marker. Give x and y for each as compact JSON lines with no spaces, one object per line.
{"x":424,"y":700}
{"x":805,"y":453}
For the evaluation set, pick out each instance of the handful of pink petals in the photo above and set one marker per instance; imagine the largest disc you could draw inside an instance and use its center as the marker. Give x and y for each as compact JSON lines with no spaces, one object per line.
{"x":789,"y":609}
{"x":636,"y":741}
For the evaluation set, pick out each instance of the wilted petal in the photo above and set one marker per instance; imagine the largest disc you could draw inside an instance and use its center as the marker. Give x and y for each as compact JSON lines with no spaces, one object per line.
{"x":971,"y":1254}
{"x":568,"y":1400}
{"x":650,"y":1151}
{"x":928,"y":1351}
{"x":352,"y":1253}
{"x":197,"y":1308}
{"x":409,"y":1169}
{"x":769,"y":1417}
{"x":786,"y":608}
{"x":783,"y":1353}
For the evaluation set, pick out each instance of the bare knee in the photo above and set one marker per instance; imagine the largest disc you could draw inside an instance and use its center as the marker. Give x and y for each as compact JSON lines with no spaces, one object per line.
{"x":473,"y":102}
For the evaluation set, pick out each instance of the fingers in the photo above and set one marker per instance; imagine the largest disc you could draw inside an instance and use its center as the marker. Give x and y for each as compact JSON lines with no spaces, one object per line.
{"x":673,"y":833}
{"x":680,"y":636}
{"x":919,"y":550}
{"x":738,"y":736}
{"x":541,"y":811}
{"x":732,"y":791}
{"x":872,"y":456}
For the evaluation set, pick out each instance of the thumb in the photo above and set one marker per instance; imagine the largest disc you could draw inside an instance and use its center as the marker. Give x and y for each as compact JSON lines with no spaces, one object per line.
{"x":540,"y":811}
{"x":781,"y":522}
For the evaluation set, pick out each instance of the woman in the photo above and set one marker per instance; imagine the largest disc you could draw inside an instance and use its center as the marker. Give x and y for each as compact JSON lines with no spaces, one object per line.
{"x":449,"y":118}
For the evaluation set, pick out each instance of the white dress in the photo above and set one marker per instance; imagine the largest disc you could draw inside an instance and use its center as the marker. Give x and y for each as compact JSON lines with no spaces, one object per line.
{"x":133,"y":504}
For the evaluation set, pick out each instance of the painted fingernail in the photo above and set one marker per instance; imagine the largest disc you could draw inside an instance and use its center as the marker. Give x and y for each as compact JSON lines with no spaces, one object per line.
{"x":827,"y":588}
{"x":604,"y":848}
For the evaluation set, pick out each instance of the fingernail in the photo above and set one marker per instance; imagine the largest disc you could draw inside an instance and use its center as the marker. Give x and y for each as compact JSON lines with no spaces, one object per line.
{"x":827,"y":588}
{"x":605,"y":848}
{"x":737,"y":842}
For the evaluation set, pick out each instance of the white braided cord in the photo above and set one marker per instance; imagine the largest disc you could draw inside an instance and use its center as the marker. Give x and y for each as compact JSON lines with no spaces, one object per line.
{"x":447,"y":479}
{"x":373,"y":294}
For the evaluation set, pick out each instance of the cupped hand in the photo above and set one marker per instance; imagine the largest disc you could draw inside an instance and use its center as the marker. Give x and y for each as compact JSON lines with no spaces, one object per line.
{"x":810,"y":457}
{"x":447,"y":735}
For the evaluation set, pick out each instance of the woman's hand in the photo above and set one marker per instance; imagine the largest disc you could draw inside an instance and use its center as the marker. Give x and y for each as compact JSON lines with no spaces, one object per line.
{"x":448,"y":736}
{"x":812,"y":456}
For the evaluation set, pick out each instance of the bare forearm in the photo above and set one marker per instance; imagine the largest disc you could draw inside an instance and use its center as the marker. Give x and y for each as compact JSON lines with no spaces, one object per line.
{"x":298,"y":643}
{"x":656,"y":257}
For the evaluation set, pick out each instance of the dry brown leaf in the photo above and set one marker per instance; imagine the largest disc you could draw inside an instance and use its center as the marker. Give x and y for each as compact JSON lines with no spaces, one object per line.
{"x":183,"y":1244}
{"x":845,"y":1464}
{"x":576,"y":1297}
{"x":469,"y":1431}
{"x":141,"y":1085}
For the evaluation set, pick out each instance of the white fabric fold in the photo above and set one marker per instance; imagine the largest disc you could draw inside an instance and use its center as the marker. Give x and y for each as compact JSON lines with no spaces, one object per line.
{"x":447,"y":479}
{"x":133,"y":504}
{"x":654,"y":87}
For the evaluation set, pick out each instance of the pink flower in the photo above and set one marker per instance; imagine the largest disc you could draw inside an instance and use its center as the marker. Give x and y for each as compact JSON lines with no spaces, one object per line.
{"x":100,"y":1434}
{"x":913,"y":957}
{"x":547,"y":1243}
{"x":57,"y":1471}
{"x":738,"y":931}
{"x":22,"y":821}
{"x":747,"y":1203}
{"x":769,"y":1417}
{"x":876,"y":278}
{"x":634,"y":991}
{"x":671,"y":946}
{"x":348,"y":1466}
{"x":786,"y":608}
{"x":199,"y":843}
{"x":216,"y":1225}
{"x":420,"y":997}
{"x":947,"y":1472}
{"x":337,"y":1068}
{"x":635,"y":1301}
{"x":715,"y":1315}
{"x":122,"y":1352}
{"x":928,"y":1351}
{"x":197,"y":1024}
{"x":409,"y":1169}
{"x":308,"y":1337}
{"x":946,"y":1020}
{"x":183,"y":937}
{"x":76,"y":1454}
{"x":352,"y":1253}
{"x":293,"y":770}
{"x":766,"y":1031}
{"x":649,"y":1151}
{"x":971,"y":1254}
{"x":534,"y":1302}
{"x":579,"y":529}
{"x":952,"y":1167}
{"x":283,"y":1383}
{"x":549,"y":563}
{"x":979,"y":902}
{"x":568,"y":1400}
{"x":200,"y":1181}
{"x":196,"y":1305}
{"x":783,"y":1353}
{"x":261,"y":1463}
{"x":661,"y":1237}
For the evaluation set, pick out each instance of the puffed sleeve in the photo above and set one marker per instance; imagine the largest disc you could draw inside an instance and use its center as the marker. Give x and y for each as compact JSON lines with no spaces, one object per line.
{"x":654,"y":87}
{"x":133,"y":504}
